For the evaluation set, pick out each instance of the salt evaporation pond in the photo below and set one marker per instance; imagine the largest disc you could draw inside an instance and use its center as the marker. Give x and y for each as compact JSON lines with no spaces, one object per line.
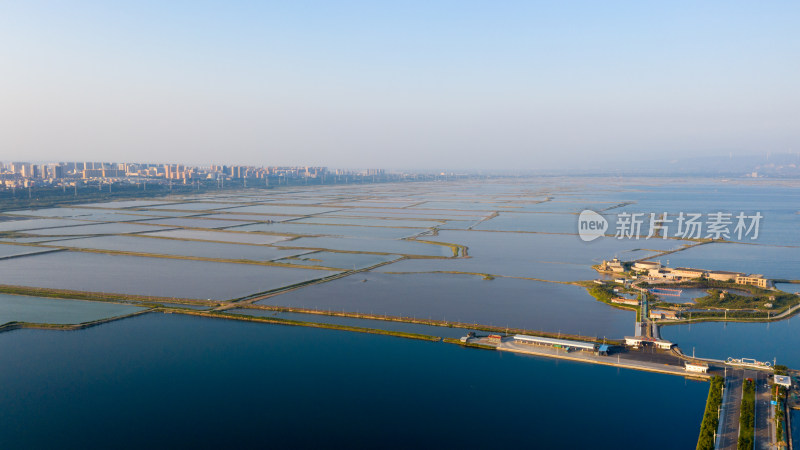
{"x":468,"y":299}
{"x":543,"y":256}
{"x":159,"y":277}
{"x":22,"y":308}
{"x":200,"y":249}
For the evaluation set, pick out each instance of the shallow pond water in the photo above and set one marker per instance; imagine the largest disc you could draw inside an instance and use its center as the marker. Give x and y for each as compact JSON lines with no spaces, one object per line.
{"x":22,"y":308}
{"x":160,"y":277}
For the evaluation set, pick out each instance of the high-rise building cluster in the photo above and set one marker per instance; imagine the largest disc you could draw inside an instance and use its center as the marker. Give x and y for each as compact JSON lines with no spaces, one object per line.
{"x":26,"y":174}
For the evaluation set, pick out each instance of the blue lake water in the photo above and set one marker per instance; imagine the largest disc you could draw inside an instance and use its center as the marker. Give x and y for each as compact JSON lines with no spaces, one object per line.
{"x":762,"y":341}
{"x":541,"y":222}
{"x":176,"y":381}
{"x":777,"y":204}
{"x":544,"y":256}
{"x":200,"y":382}
{"x":772,"y":262}
{"x":788,"y":287}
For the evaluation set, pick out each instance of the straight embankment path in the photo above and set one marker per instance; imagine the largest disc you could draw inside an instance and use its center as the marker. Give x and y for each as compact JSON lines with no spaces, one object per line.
{"x":728,"y":433}
{"x":764,"y":434}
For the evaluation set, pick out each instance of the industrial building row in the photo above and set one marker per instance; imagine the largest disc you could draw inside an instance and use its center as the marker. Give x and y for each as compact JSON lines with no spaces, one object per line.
{"x":655,"y":271}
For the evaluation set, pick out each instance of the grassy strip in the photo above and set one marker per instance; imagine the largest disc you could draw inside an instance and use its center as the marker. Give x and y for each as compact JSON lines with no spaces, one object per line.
{"x":271,"y":293}
{"x":758,"y":296}
{"x":780,"y":416}
{"x":732,"y":316}
{"x":278,"y":321}
{"x":184,"y":257}
{"x":96,"y":296}
{"x":708,"y":427}
{"x":489,"y":276}
{"x":748,"y":416}
{"x":485,"y":276}
{"x":466,"y":344}
{"x":66,"y":327}
{"x":433,"y":322}
{"x":604,"y":293}
{"x":455,"y":248}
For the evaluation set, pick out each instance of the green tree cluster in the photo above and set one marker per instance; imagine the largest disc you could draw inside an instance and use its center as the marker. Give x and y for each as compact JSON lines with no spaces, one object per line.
{"x":747,"y":416}
{"x":710,"y":422}
{"x":780,"y":417}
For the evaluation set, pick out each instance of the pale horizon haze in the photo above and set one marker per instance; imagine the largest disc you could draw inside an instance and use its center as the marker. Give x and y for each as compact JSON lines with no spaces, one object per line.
{"x":418,"y":84}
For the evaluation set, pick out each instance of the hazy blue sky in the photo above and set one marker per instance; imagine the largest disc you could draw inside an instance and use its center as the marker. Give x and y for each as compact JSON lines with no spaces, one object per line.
{"x":404,"y":84}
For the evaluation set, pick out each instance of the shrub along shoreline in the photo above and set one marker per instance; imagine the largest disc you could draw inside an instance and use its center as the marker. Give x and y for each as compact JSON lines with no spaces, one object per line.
{"x":708,"y":427}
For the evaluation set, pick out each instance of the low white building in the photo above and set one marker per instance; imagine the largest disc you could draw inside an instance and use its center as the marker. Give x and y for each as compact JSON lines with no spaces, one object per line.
{"x":615,"y":265}
{"x":664,"y":272}
{"x":647,"y":265}
{"x":783,"y":380}
{"x":664,"y":314}
{"x":697,"y":367}
{"x":638,"y":341}
{"x":625,"y":301}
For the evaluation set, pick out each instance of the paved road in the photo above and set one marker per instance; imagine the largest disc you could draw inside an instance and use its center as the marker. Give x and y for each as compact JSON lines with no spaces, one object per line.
{"x":653,"y":361}
{"x":763,"y":410}
{"x":731,"y":407}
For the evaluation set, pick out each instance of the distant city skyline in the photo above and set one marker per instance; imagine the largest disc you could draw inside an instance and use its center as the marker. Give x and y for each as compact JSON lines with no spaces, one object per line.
{"x":22,"y":174}
{"x":418,"y":85}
